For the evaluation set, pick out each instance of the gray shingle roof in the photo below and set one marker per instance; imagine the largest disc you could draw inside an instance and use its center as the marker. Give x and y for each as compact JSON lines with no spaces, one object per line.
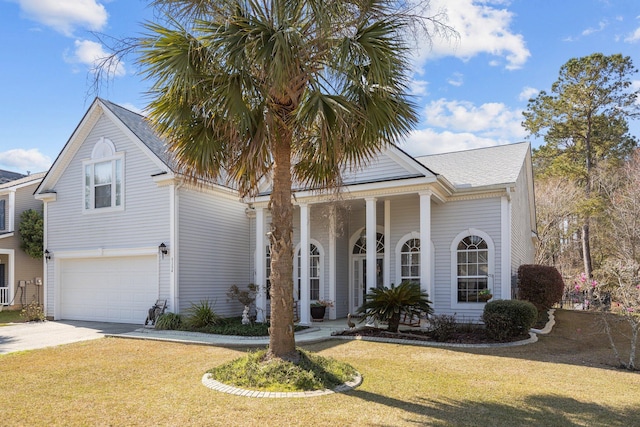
{"x":22,"y":180}
{"x":8,"y":176}
{"x":141,"y":127}
{"x":480,"y":167}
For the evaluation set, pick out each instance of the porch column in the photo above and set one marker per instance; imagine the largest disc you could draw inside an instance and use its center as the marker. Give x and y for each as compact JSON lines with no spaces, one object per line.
{"x":386,"y":263}
{"x":332,"y":261}
{"x":304,"y":297}
{"x":371,"y":242}
{"x":425,"y":243}
{"x":261,"y":268}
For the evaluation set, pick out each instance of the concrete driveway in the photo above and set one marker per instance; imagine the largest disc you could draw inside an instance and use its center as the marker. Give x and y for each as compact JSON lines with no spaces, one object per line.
{"x":33,"y":335}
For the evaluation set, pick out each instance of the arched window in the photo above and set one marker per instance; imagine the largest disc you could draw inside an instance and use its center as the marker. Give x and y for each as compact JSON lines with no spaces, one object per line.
{"x":360,"y":247}
{"x":472,"y":268}
{"x":410,"y":261}
{"x":314,"y":271}
{"x":103,"y":178}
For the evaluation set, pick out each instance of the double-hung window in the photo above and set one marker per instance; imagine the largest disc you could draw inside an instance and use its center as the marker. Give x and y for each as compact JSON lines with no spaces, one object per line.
{"x":103,"y":178}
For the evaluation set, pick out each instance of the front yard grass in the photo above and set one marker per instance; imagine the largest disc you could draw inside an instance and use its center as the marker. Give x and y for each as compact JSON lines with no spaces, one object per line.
{"x":561,"y":380}
{"x":10,"y":316}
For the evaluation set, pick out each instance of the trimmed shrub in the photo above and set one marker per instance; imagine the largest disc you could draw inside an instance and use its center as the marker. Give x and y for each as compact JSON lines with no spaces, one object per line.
{"x":541,"y":285}
{"x":508,"y":318}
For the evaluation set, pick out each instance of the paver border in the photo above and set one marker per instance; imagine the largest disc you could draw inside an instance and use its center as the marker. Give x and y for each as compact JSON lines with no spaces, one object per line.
{"x":208,"y":382}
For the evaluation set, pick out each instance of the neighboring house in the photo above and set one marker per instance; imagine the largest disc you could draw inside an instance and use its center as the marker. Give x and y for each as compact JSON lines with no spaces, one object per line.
{"x":20,"y":274}
{"x":112,"y":198}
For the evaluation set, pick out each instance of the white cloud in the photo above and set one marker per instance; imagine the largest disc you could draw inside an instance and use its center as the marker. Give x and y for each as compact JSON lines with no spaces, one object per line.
{"x":633,"y":37}
{"x":527,"y":93}
{"x":601,"y":26}
{"x":418,"y":87}
{"x":94,"y":56}
{"x":428,"y":141}
{"x":483,"y":27}
{"x":456,"y":79}
{"x":460,"y":125}
{"x":65,"y":16}
{"x":21,"y":160}
{"x":489,"y":120}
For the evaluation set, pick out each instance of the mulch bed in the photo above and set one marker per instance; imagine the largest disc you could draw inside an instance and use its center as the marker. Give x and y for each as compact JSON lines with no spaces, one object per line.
{"x":473,"y":336}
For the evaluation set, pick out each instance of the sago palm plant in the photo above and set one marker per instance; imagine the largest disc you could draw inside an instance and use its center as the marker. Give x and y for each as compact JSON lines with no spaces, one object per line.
{"x":389,"y":304}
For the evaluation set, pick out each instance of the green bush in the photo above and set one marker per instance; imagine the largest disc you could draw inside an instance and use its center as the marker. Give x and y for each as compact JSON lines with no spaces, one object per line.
{"x":388,"y":304}
{"x":508,"y":318}
{"x":541,"y":285}
{"x":201,"y":315}
{"x":169,"y":321}
{"x":31,"y":231}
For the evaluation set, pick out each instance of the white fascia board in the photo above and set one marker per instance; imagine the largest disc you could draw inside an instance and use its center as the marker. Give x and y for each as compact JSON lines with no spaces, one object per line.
{"x":71,"y":147}
{"x":46,"y":197}
{"x":143,"y":147}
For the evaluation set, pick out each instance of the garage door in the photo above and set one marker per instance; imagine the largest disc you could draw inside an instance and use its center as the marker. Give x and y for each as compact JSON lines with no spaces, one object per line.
{"x":108,"y":289}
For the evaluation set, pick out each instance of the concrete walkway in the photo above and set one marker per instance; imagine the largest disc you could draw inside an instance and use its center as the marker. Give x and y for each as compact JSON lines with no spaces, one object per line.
{"x":33,"y":335}
{"x":318,"y":331}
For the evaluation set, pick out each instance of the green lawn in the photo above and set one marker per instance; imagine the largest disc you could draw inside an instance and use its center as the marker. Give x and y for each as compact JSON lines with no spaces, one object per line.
{"x":10,"y":316}
{"x":565,"y":379}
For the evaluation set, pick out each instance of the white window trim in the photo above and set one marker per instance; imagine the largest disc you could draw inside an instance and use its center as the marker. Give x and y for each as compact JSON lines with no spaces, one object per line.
{"x":491,"y":256}
{"x":321,"y":286}
{"x":97,"y":156}
{"x":401,"y":242}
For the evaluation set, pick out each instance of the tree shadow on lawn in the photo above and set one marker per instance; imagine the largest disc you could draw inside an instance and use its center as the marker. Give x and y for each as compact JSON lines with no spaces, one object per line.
{"x":547,"y":410}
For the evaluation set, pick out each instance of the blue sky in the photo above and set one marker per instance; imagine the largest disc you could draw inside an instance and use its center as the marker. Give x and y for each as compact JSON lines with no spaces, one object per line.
{"x":471,"y":90}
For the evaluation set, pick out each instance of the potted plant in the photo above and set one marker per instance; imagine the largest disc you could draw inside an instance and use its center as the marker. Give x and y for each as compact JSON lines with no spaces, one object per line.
{"x":318,"y":309}
{"x":484,"y":295}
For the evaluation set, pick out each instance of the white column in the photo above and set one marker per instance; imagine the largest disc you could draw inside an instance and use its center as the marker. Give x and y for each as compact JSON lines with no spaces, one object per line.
{"x":425,"y":243}
{"x":304,"y":301}
{"x":261,"y":268}
{"x":505,"y":249}
{"x":386,"y":264}
{"x":332,"y":261}
{"x":371,"y":242}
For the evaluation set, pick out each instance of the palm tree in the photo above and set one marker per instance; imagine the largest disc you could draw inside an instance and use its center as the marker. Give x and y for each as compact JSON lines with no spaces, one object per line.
{"x":290,"y":90}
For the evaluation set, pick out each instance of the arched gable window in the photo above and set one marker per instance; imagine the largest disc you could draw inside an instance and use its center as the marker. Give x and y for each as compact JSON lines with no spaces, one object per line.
{"x":103,"y":178}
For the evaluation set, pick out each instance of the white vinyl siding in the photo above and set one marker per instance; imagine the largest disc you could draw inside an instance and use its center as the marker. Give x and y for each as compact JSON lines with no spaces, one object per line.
{"x":448,"y":220}
{"x":144,"y":221}
{"x":214,"y":249}
{"x":522,"y":247}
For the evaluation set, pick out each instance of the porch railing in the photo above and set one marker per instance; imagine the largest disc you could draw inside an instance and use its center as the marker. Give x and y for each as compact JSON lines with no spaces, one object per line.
{"x":4,"y":296}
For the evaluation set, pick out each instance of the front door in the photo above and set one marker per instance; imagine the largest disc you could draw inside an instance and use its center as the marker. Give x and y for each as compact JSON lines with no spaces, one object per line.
{"x":359,"y":288}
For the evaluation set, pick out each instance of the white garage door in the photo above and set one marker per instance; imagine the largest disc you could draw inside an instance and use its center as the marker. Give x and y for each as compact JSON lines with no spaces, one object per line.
{"x":108,"y":289}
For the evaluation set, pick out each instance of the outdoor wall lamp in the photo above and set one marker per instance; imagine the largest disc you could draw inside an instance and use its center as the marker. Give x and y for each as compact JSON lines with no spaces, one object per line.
{"x":163,"y":249}
{"x":47,"y":254}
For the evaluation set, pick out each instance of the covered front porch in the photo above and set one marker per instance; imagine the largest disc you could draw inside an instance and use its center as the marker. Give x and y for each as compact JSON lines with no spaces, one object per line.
{"x":344,"y":247}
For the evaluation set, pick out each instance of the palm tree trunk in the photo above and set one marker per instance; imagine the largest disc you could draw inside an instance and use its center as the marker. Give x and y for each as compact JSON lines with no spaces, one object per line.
{"x":281,"y":337}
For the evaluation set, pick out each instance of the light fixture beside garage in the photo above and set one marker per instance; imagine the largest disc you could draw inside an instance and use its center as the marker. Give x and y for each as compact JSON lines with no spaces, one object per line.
{"x":47,"y":254}
{"x":163,"y":249}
